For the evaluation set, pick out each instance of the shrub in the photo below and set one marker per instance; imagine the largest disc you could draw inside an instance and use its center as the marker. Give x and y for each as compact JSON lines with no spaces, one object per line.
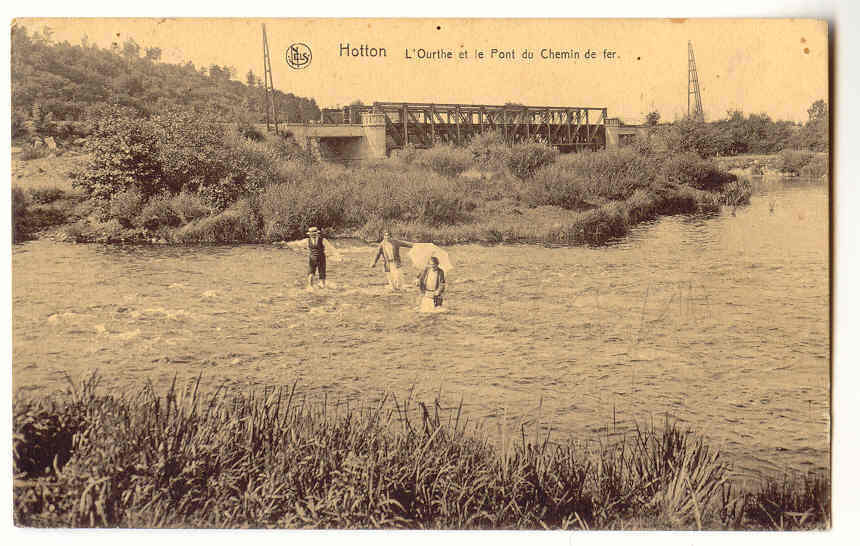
{"x":692,"y":170}
{"x":446,"y":160}
{"x":20,"y":202}
{"x":123,"y":153}
{"x":489,"y":151}
{"x":611,"y":175}
{"x":817,"y":167}
{"x":188,"y":206}
{"x":29,"y":152}
{"x":125,"y":206}
{"x":793,"y":161}
{"x":158,"y":213}
{"x":239,"y":223}
{"x":524,"y":159}
{"x":407,"y":154}
{"x":190,"y":147}
{"x":557,"y":185}
{"x":46,"y":195}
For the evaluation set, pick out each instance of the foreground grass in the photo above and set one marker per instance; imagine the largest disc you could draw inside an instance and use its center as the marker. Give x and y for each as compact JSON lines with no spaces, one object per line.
{"x":182,"y":459}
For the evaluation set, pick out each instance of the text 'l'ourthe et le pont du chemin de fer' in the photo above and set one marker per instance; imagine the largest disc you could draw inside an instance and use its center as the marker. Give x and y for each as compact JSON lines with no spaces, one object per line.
{"x":365,"y":51}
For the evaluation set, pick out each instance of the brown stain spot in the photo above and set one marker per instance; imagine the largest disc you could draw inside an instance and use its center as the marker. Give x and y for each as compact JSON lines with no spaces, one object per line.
{"x":802,"y":40}
{"x":677,"y":20}
{"x":806,"y":50}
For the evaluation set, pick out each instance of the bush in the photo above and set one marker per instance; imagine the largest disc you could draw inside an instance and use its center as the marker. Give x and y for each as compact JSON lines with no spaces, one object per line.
{"x":190,"y":147}
{"x":817,"y":167}
{"x":125,"y":206}
{"x":613,"y":175}
{"x":524,"y":159}
{"x":29,"y":152}
{"x":446,"y":160}
{"x":46,"y":195}
{"x":692,"y":170}
{"x":489,"y":151}
{"x":20,"y":202}
{"x":559,"y":186}
{"x":793,"y":161}
{"x":158,"y":213}
{"x":123,"y":155}
{"x":239,"y":223}
{"x":188,"y":206}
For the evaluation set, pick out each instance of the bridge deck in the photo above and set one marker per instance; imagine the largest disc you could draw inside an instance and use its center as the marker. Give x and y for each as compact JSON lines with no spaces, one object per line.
{"x":423,"y":124}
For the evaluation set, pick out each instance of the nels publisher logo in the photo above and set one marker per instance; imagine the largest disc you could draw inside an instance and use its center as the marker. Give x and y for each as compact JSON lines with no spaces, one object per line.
{"x":298,"y":56}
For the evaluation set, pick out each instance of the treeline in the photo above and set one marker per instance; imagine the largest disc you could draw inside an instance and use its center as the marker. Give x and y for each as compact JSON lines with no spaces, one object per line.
{"x":65,"y":82}
{"x":752,"y":134}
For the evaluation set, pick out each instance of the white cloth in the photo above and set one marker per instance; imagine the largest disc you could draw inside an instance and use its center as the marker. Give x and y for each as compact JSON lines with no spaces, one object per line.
{"x":388,"y":250}
{"x":395,"y":277}
{"x":426,"y":305}
{"x":432,"y":280}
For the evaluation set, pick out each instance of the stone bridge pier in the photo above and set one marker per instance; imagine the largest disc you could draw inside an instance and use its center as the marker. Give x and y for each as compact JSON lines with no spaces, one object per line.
{"x":342,"y":142}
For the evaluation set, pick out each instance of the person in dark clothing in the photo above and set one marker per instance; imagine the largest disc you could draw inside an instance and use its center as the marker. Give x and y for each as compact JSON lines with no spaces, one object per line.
{"x":317,"y":247}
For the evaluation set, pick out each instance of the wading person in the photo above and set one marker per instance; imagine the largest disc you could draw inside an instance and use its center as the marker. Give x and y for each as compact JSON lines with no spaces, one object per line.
{"x":389,"y":251}
{"x":317,"y":247}
{"x":431,"y":282}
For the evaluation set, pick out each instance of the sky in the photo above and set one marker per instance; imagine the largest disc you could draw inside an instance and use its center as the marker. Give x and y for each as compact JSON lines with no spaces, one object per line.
{"x":777,"y":66}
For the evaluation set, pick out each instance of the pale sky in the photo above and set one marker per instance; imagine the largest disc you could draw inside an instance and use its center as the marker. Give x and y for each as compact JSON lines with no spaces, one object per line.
{"x":778,"y":66}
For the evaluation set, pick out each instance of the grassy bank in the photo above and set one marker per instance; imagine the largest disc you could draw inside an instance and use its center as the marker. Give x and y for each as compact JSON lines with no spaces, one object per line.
{"x":271,"y":459}
{"x":177,"y":179}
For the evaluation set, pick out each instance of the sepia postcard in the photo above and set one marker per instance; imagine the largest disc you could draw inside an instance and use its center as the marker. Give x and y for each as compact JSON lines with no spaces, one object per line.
{"x":448,"y":274}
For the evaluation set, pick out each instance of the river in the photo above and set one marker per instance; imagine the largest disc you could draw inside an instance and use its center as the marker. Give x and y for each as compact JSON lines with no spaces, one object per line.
{"x":720,"y":322}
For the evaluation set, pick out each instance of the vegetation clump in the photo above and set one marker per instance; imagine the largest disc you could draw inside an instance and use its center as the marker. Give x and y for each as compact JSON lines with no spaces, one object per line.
{"x":272,"y":459}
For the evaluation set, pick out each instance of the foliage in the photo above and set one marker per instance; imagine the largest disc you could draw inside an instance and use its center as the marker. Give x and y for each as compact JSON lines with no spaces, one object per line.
{"x":46,"y":195}
{"x":446,"y":160}
{"x":188,"y":459}
{"x":125,"y":206}
{"x":652,"y":119}
{"x":752,"y":134}
{"x":20,"y":202}
{"x":526,"y":158}
{"x":690,"y":169}
{"x":489,"y":151}
{"x":123,"y":155}
{"x":157,"y":213}
{"x":66,"y":80}
{"x":817,"y":167}
{"x":29,"y":152}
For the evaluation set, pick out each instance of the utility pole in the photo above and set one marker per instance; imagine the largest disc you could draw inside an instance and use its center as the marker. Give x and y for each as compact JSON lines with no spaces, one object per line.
{"x":694,"y":98}
{"x":271,"y":107}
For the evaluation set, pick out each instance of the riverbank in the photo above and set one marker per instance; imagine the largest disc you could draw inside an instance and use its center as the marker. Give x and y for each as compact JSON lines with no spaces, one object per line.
{"x":445,"y":195}
{"x":183,"y":458}
{"x":785,"y":163}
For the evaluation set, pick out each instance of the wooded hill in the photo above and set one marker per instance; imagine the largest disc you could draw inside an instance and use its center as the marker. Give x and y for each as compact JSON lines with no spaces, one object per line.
{"x":67,"y":82}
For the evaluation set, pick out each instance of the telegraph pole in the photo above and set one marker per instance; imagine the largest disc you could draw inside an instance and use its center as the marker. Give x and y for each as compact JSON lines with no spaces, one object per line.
{"x":271,"y":107}
{"x":694,"y":98}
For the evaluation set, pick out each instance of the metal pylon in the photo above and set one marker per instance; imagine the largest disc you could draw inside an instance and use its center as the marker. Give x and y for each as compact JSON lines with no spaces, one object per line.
{"x":694,"y":98}
{"x":271,"y":107}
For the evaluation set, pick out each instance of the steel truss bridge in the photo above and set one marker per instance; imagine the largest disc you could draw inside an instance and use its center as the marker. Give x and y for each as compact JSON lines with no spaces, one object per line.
{"x":568,"y":128}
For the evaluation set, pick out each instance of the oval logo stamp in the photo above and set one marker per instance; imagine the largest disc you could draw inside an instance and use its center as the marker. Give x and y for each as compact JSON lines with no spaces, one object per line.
{"x":298,"y":56}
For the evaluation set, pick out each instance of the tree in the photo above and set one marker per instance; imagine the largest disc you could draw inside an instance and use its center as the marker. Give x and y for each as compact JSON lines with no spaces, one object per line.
{"x":130,"y":49}
{"x":153,"y":54}
{"x":652,"y":119}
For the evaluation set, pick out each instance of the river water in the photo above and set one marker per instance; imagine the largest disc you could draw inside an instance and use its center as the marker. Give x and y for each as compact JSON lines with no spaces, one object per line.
{"x":720,"y":322}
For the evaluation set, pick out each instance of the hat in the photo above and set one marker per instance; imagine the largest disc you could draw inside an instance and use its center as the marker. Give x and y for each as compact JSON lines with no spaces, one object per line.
{"x":312,"y":230}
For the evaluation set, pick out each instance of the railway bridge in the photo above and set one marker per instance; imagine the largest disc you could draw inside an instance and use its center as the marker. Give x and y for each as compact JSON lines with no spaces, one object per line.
{"x":365,"y":132}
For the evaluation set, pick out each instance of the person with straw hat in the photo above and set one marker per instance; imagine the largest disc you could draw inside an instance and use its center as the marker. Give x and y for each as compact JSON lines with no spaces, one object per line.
{"x":317,"y":247}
